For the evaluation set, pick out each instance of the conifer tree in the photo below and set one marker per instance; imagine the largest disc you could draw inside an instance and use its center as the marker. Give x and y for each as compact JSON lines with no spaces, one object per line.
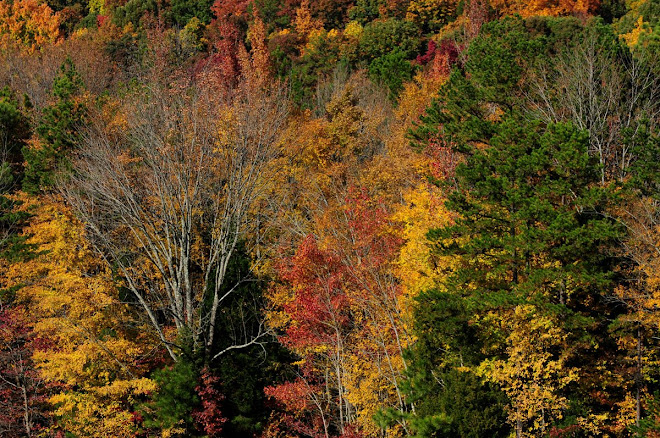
{"x":525,"y":300}
{"x":57,"y":130}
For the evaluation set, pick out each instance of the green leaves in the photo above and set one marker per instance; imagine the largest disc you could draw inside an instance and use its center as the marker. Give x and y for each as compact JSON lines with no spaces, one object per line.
{"x":392,"y":70}
{"x":176,"y":398}
{"x":530,"y":229}
{"x":382,"y":37}
{"x":57,"y":130}
{"x":531,"y":243}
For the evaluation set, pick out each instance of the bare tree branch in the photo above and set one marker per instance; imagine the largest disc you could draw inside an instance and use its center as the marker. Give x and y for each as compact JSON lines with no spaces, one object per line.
{"x":167,"y":197}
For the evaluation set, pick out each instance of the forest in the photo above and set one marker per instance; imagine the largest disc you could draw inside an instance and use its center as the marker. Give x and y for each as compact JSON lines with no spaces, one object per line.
{"x":330,"y":219}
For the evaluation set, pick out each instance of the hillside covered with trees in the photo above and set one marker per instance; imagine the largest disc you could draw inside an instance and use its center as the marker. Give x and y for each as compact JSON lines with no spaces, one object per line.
{"x":329,"y":219}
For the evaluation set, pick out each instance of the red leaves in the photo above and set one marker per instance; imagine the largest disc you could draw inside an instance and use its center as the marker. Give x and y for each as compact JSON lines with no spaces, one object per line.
{"x":224,"y":61}
{"x":320,"y":304}
{"x":429,"y":55}
{"x":101,"y":20}
{"x":210,"y":417}
{"x":351,"y":432}
{"x":230,"y":10}
{"x":340,"y":289}
{"x":294,"y":396}
{"x":230,"y":60}
{"x":326,"y":282}
{"x":441,"y":58}
{"x":564,"y":432}
{"x":226,"y":37}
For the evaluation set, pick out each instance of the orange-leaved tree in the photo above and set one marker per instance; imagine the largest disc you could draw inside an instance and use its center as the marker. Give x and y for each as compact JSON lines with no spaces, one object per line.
{"x":30,"y":23}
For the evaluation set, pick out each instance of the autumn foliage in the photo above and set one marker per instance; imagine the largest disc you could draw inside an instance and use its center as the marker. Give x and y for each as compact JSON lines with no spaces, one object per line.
{"x":329,"y":219}
{"x":30,"y":23}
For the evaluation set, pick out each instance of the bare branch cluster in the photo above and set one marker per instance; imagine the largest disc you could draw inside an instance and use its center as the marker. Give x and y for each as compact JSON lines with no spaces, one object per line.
{"x":167,"y":195}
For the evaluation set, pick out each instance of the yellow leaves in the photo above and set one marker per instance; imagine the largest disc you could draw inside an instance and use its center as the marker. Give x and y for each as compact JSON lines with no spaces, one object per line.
{"x":74,"y":305}
{"x":127,"y":388}
{"x":98,"y":7}
{"x":366,"y":394}
{"x":402,"y":163}
{"x":310,"y":29}
{"x":278,"y":297}
{"x":371,"y":380}
{"x":94,"y":417}
{"x":313,"y":146}
{"x":634,"y":28}
{"x":114,"y":118}
{"x":627,"y":411}
{"x":178,"y":430}
{"x":432,"y":12}
{"x":544,"y":7}
{"x":424,"y":209}
{"x":592,"y":424}
{"x":632,"y":38}
{"x":353,"y":30}
{"x":531,"y":373}
{"x":226,"y":123}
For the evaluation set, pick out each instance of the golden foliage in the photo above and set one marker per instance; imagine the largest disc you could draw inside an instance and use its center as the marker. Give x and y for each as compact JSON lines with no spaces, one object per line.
{"x":545,"y":7}
{"x":532,"y":373}
{"x":91,"y":353}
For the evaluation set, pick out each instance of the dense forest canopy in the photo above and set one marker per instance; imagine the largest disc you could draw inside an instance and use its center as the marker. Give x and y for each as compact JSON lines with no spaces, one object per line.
{"x":329,"y":219}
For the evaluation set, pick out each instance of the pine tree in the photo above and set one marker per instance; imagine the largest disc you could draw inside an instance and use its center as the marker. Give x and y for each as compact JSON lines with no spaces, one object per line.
{"x":57,"y":130}
{"x":530,"y":240}
{"x":14,"y":132}
{"x":524,"y":301}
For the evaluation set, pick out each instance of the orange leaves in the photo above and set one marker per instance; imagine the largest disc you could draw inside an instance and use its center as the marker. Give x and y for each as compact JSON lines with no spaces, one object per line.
{"x":545,"y":7}
{"x":260,"y":56}
{"x":352,"y":199}
{"x":304,"y":24}
{"x":31,"y":23}
{"x":294,"y":395}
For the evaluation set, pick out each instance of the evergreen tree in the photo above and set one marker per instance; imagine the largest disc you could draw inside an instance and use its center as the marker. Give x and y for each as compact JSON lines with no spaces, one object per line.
{"x":57,"y":130}
{"x":530,"y":250}
{"x":530,"y":236}
{"x":14,"y":132}
{"x":172,"y":406}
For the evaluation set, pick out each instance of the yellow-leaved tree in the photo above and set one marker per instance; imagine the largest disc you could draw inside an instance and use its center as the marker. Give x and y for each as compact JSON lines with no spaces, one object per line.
{"x":545,"y":7}
{"x":532,"y":373}
{"x":93,"y":350}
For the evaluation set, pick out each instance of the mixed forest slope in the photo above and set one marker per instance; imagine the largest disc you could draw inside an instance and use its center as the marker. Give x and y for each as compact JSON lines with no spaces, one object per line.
{"x":316,"y":219}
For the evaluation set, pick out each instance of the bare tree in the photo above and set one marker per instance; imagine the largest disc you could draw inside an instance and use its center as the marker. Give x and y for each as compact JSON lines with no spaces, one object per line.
{"x":167,"y":198}
{"x":608,"y":92}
